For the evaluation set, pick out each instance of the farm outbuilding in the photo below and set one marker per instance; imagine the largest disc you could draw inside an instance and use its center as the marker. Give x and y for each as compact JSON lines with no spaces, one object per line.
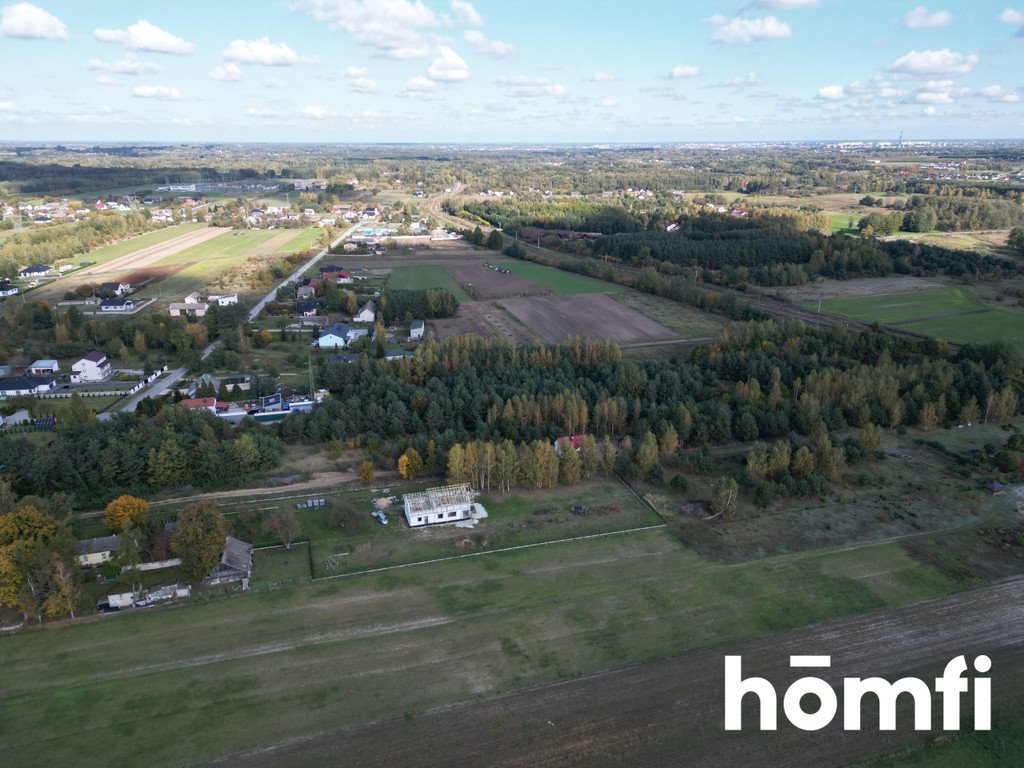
{"x":448,"y":504}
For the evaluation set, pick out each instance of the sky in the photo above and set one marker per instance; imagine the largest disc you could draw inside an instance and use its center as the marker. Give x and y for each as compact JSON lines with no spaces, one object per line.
{"x":502,"y":71}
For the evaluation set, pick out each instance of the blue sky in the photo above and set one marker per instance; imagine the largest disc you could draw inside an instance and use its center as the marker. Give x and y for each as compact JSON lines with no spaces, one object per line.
{"x":503,"y":71}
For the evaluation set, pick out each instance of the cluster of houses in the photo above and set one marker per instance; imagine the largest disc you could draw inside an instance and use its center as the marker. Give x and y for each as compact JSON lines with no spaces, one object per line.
{"x":235,"y":566}
{"x":197,"y":305}
{"x":41,"y":376}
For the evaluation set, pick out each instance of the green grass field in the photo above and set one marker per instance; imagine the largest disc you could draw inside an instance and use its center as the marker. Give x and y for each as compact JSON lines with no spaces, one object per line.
{"x":131,"y":245}
{"x":303,"y":241}
{"x":689,"y":322}
{"x":427,"y":277}
{"x":207,"y":261}
{"x":947,"y":313}
{"x":254,"y":669}
{"x":559,"y":281}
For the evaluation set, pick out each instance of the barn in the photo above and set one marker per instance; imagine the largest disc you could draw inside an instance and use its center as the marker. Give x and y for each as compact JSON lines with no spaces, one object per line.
{"x":448,"y":504}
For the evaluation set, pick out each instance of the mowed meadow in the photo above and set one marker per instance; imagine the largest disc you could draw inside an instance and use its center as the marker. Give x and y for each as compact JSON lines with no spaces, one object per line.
{"x":951,"y":313}
{"x":177,"y":684}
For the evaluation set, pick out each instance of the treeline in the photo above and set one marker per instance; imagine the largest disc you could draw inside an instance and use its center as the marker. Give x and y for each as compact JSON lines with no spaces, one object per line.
{"x":51,"y":243}
{"x":732,"y":251}
{"x":764,"y":380}
{"x":38,"y":567}
{"x":404,"y":305}
{"x":985,"y":190}
{"x":577,"y":215}
{"x":98,"y":460}
{"x":947,"y":213}
{"x":42,"y":331}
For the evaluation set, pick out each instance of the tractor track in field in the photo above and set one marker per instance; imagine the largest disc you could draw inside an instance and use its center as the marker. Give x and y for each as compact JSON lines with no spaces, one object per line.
{"x":670,"y":712}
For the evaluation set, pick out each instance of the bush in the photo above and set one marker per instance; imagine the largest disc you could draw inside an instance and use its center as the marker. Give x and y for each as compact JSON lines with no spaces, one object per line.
{"x":679,"y":483}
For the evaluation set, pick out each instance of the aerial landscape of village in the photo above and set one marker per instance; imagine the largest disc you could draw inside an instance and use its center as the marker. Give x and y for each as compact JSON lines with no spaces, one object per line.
{"x":447,"y":383}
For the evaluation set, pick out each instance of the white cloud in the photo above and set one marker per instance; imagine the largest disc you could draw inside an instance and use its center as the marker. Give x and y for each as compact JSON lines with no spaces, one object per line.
{"x":318,"y":112}
{"x":143,"y":36}
{"x":393,"y":28}
{"x":362,"y":85}
{"x":749,"y":80}
{"x":161,"y":92}
{"x":684,"y":70}
{"x":30,"y":21}
{"x":742,"y":31}
{"x":1011,"y":16}
{"x":998,"y":93}
{"x":480,"y":43}
{"x":447,"y":66}
{"x":419,"y":85}
{"x":922,"y":18}
{"x":944,"y":62}
{"x":229,"y":73}
{"x":783,"y":5}
{"x":933,"y":97}
{"x":603,"y":77}
{"x":261,"y":51}
{"x":6,"y":106}
{"x":273,"y":82}
{"x":832,"y":93}
{"x":519,"y":87}
{"x":107,"y":80}
{"x":352,"y":72}
{"x":259,"y":112}
{"x":466,"y":14}
{"x":608,"y":103}
{"x":129,"y":65}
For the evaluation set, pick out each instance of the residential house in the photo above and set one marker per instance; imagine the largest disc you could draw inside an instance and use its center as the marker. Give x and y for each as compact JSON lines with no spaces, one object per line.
{"x":119,"y":289}
{"x":93,"y":552}
{"x":200,"y":382}
{"x":238,"y":382}
{"x":305,"y":308}
{"x":305,"y":292}
{"x":448,"y":504}
{"x":211,"y":404}
{"x":35,"y":270}
{"x":194,"y":305}
{"x":416,"y":329}
{"x":117,"y":305}
{"x":8,"y":289}
{"x":339,"y":335}
{"x":564,"y":443}
{"x":222,"y":299}
{"x":26,"y":385}
{"x":342,"y":278}
{"x":93,"y":367}
{"x":43,"y":367}
{"x":366,"y":314}
{"x":235,"y":564}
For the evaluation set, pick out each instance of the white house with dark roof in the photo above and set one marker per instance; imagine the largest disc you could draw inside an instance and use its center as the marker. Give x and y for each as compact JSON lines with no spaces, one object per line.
{"x":93,"y":367}
{"x":366,"y":314}
{"x":97,"y":551}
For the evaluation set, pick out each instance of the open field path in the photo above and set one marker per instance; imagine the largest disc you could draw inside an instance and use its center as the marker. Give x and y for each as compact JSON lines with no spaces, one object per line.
{"x":670,"y":712}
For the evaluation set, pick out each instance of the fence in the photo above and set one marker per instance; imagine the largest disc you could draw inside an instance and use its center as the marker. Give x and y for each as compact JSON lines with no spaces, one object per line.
{"x":104,"y":392}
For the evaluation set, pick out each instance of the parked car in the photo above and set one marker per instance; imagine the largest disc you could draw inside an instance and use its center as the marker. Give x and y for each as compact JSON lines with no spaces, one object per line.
{"x":381,"y":517}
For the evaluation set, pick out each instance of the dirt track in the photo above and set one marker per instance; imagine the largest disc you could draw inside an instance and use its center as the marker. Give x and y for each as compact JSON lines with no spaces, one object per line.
{"x":670,"y":712}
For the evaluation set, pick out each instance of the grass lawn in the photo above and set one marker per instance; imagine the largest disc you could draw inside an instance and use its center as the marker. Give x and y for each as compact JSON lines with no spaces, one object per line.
{"x":841,"y":223}
{"x":948,"y":313}
{"x":348,"y":539}
{"x":427,"y":277}
{"x":279,"y":566}
{"x":559,"y":281}
{"x":303,"y":241}
{"x":254,"y":669}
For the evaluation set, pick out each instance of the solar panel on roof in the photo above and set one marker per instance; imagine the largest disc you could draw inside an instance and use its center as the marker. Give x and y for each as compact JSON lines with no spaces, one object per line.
{"x":47,"y":422}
